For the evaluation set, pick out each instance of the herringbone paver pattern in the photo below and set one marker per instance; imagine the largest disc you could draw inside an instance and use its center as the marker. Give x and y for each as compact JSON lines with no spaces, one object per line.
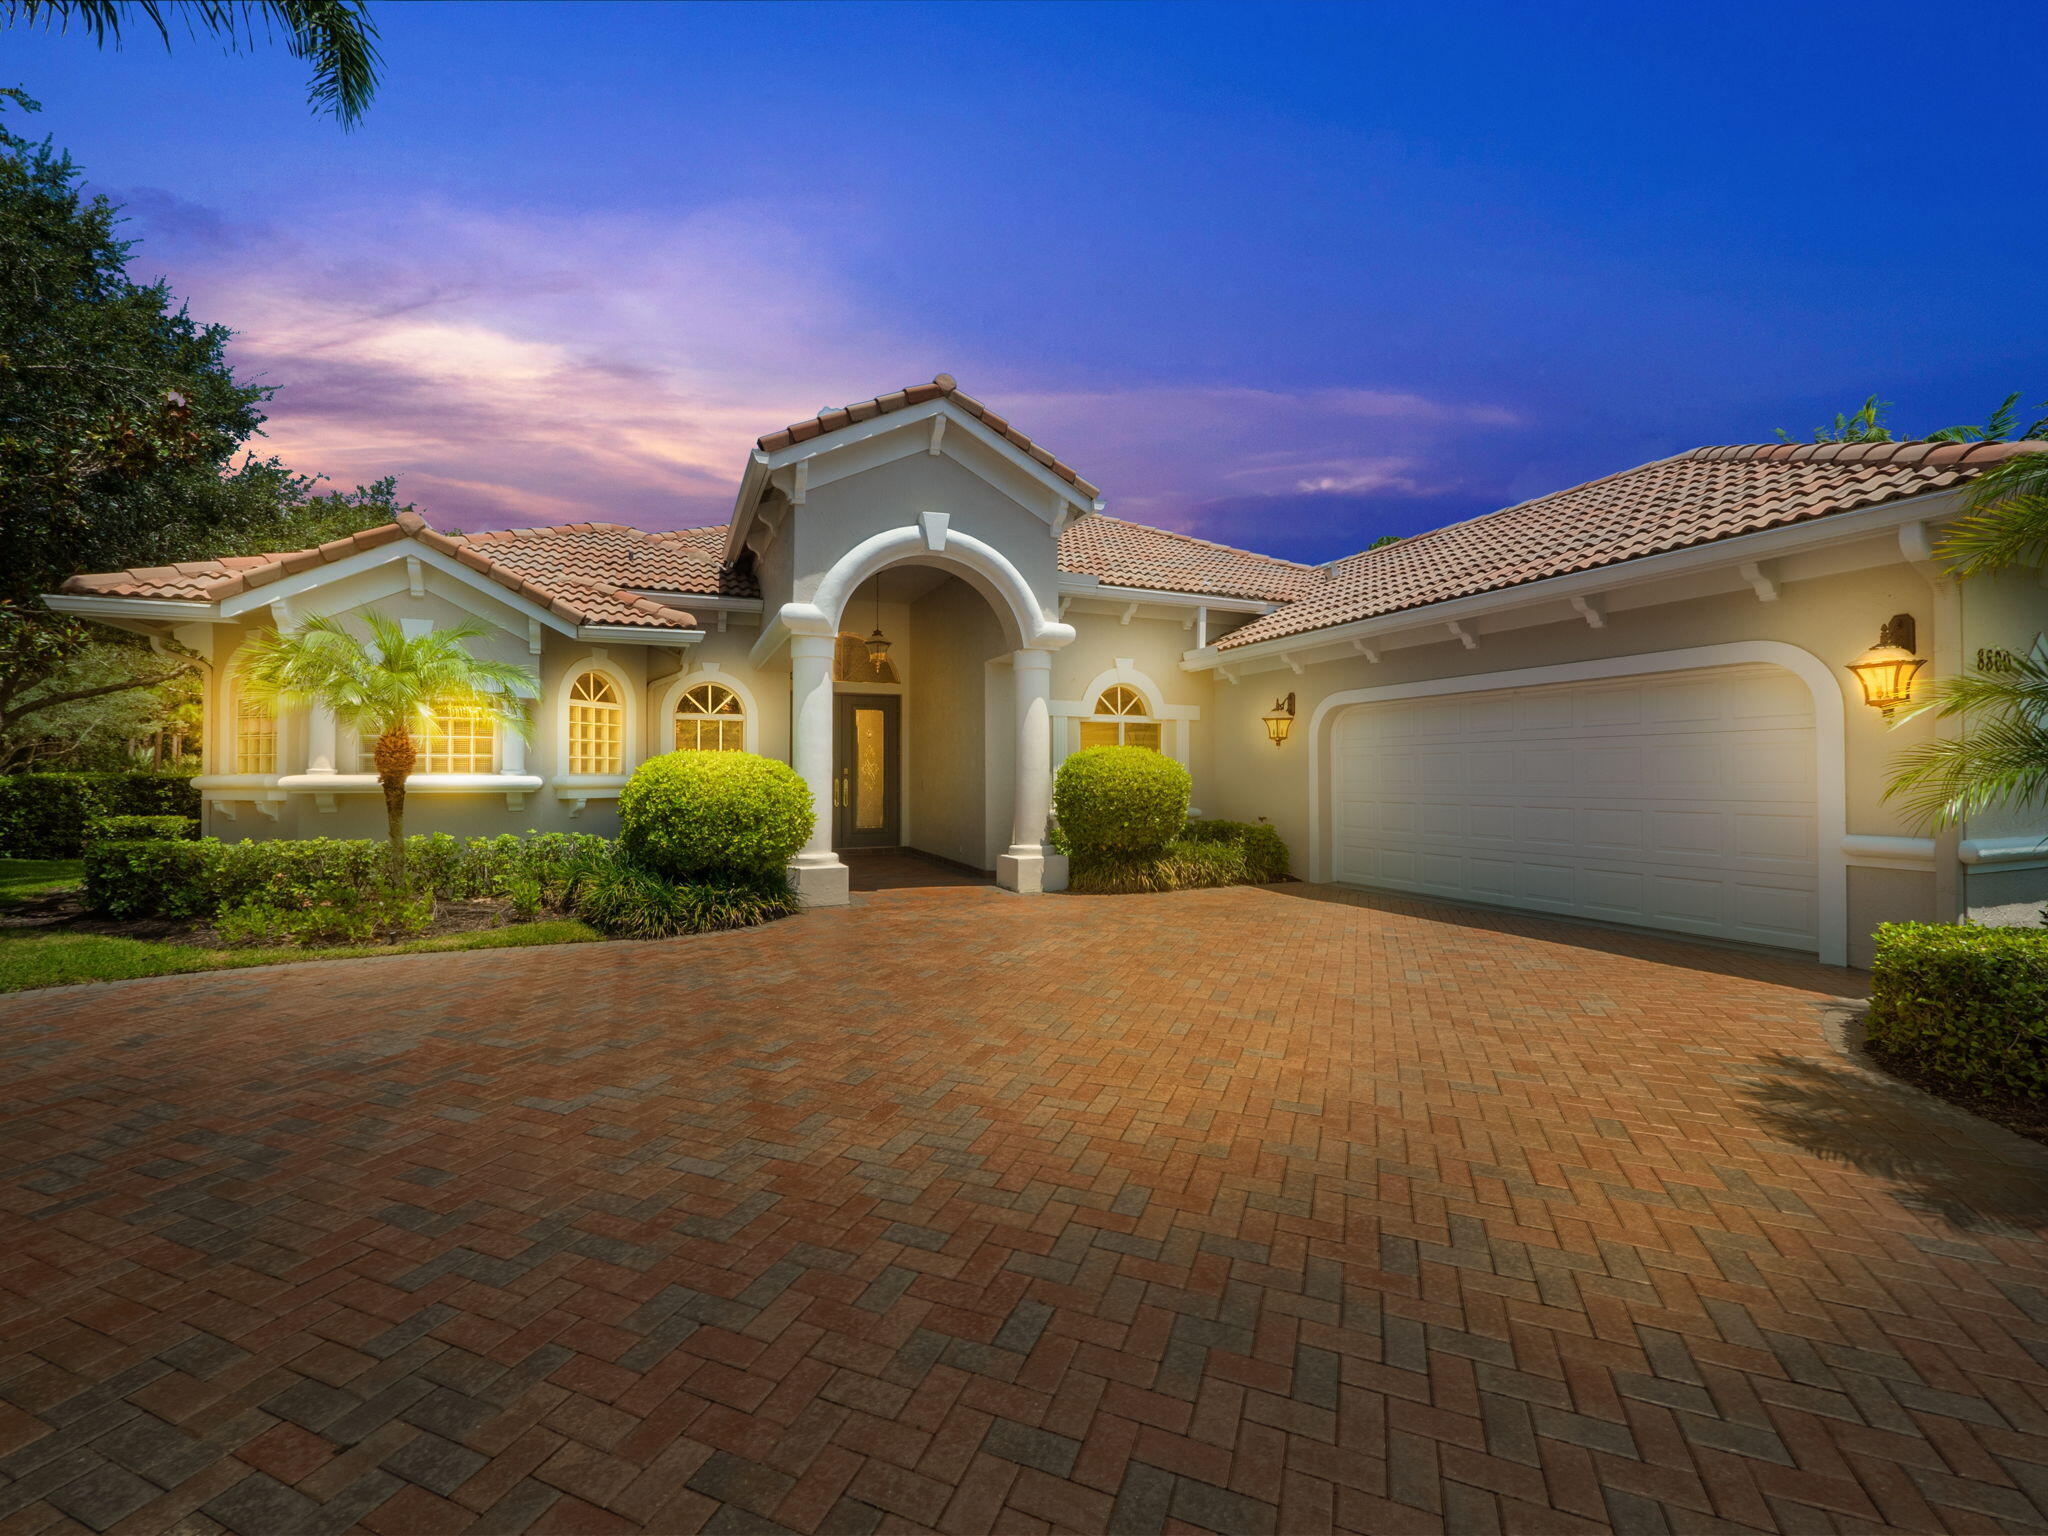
{"x":1236,"y":1211}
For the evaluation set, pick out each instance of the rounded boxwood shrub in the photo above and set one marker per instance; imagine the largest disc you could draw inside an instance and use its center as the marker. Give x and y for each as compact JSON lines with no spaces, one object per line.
{"x":711,"y":815}
{"x":1962,"y":1007}
{"x":1120,"y":800}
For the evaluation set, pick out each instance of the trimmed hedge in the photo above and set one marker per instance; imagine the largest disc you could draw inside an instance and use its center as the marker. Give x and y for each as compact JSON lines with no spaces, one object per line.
{"x":1207,"y":853}
{"x":206,"y":877}
{"x":1965,"y":1007}
{"x":696,"y":816}
{"x":48,"y":815}
{"x":1120,"y":800}
{"x":115,"y":829}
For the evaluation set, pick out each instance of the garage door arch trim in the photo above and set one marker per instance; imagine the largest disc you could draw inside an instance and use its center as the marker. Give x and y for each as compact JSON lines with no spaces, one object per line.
{"x":1830,"y":788}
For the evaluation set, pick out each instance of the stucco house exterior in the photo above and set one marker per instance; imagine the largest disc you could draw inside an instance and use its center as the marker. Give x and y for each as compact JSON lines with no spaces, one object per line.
{"x":1626,"y":702}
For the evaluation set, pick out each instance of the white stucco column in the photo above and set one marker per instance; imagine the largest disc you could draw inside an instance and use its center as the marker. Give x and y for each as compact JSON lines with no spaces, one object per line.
{"x":320,"y":739}
{"x":818,"y":875}
{"x":1027,"y":866}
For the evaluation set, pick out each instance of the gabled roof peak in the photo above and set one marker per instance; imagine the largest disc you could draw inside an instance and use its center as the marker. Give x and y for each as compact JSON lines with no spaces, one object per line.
{"x":943,"y":386}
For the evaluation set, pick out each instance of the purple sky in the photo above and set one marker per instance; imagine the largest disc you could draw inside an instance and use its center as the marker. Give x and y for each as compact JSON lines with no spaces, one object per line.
{"x":1289,"y":277}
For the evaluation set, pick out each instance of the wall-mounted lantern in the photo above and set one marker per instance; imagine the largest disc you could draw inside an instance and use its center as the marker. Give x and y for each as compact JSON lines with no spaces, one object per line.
{"x":1280,"y":719}
{"x":1887,"y":669}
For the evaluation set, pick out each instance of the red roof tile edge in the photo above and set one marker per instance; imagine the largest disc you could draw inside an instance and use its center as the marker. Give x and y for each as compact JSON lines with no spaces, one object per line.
{"x":461,"y":547}
{"x":1959,"y":460}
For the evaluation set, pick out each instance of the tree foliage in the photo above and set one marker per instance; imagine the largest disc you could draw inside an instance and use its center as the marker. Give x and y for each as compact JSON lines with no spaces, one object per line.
{"x":118,"y":411}
{"x":120,"y":420}
{"x":337,"y":37}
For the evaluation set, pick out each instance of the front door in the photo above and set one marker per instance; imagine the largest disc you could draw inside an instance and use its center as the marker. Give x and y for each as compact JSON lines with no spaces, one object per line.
{"x":864,"y":778}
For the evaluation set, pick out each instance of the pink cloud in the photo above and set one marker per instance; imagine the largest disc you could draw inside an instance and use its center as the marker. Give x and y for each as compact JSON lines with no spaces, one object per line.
{"x":521,"y":371}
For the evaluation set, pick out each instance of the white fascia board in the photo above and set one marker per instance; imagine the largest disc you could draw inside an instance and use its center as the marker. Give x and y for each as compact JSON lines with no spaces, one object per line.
{"x":177,"y":610}
{"x":319,"y":576}
{"x":1092,"y":586}
{"x":634,"y":634}
{"x":753,"y":481}
{"x":1722,"y":553}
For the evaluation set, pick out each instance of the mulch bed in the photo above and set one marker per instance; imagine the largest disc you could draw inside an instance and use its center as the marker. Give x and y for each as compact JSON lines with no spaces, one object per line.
{"x":65,"y":912}
{"x":2018,"y":1113}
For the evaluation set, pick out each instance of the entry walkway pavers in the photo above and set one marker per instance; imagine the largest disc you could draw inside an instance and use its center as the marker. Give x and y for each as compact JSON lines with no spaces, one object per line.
{"x":1275,"y":1210}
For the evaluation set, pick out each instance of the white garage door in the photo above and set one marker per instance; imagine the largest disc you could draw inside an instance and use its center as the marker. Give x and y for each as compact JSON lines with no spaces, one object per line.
{"x":1683,"y":800}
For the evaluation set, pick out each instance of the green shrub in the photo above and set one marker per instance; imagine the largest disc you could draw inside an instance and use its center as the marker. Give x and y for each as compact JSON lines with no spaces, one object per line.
{"x":1182,"y":865}
{"x":1265,"y":851}
{"x":130,"y":828}
{"x":325,"y":918}
{"x":1965,"y":1007}
{"x":694,"y":816}
{"x":1206,"y":853}
{"x":161,"y":878}
{"x":203,"y":878}
{"x":47,"y":815}
{"x":628,"y":901}
{"x":1120,"y":800}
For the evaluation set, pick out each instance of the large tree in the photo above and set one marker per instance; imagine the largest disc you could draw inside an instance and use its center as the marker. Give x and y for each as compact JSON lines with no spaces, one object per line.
{"x":337,"y":37}
{"x":120,"y":426}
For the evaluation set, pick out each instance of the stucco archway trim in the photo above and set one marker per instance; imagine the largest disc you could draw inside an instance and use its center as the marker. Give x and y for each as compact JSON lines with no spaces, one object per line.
{"x":1829,"y":732}
{"x":980,"y":564}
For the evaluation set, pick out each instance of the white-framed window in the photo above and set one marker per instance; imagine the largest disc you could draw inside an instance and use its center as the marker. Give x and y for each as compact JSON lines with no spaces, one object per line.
{"x":710,"y":718}
{"x":457,"y":738}
{"x":255,"y":737}
{"x":1122,"y":718}
{"x":852,"y":664}
{"x":597,"y":725}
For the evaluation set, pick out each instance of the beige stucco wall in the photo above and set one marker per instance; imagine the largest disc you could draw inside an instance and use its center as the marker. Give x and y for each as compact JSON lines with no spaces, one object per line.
{"x":2009,"y":611}
{"x":954,"y":635}
{"x":1833,"y":618}
{"x":889,"y":496}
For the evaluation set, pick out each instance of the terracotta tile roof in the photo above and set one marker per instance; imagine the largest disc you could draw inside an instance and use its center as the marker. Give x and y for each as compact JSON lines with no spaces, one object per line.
{"x":1133,"y":555}
{"x":917,"y":394}
{"x":1695,"y":498}
{"x":585,"y":573}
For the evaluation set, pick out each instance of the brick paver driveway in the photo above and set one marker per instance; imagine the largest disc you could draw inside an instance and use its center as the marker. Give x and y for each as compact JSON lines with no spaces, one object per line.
{"x":1236,"y":1211}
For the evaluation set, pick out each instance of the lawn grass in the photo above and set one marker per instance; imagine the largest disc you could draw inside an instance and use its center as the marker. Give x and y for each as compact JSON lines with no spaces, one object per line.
{"x":40,"y":958}
{"x":27,"y":877}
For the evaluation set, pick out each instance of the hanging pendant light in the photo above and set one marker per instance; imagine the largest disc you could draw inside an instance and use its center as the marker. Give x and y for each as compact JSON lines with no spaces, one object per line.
{"x":878,"y":643}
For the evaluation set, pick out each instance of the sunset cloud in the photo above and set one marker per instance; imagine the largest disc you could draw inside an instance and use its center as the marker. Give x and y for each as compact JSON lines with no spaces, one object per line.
{"x":521,"y":371}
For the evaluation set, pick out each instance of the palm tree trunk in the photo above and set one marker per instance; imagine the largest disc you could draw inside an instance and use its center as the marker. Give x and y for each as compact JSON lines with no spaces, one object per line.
{"x":395,"y":757}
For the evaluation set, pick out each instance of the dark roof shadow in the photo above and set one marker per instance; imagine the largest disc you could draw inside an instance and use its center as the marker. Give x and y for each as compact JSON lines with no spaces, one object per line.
{"x":1781,"y":968}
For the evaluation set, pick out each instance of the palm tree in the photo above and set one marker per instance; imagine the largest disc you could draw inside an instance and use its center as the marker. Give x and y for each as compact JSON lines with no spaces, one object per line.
{"x":336,"y":36}
{"x":2001,"y":760}
{"x":389,"y":687}
{"x":2006,"y":521}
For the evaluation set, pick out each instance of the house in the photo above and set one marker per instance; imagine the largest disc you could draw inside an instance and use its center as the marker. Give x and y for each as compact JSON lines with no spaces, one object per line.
{"x":1626,"y":702}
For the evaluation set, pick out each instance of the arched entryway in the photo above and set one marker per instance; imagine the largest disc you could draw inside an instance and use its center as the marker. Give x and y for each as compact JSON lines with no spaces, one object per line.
{"x":947,"y":748}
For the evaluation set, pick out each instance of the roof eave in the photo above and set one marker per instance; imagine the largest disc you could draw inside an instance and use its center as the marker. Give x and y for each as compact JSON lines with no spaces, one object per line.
{"x":1736,"y":550}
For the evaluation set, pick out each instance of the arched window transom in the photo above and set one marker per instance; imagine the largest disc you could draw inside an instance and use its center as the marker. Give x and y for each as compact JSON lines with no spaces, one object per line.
{"x":1121,"y":719}
{"x":255,"y":737}
{"x":597,"y":725}
{"x":710,"y":718}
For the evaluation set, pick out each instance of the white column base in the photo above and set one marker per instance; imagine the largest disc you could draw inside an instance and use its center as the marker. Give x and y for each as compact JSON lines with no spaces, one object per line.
{"x":1030,"y":871}
{"x":823,"y":884}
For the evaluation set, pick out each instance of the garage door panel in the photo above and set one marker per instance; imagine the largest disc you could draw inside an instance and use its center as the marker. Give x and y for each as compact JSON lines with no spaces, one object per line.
{"x":1683,"y":801}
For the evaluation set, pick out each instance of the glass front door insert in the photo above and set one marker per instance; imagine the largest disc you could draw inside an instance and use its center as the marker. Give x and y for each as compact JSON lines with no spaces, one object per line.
{"x":864,"y":779}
